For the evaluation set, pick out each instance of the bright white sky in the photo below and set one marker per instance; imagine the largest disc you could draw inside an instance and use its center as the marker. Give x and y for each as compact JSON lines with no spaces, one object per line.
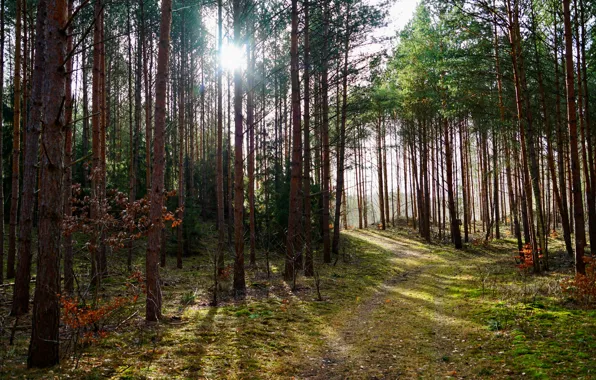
{"x":400,"y":13}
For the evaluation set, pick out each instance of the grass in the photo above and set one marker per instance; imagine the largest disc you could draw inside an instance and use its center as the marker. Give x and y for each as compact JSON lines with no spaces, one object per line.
{"x":393,"y":306}
{"x":267,"y":335}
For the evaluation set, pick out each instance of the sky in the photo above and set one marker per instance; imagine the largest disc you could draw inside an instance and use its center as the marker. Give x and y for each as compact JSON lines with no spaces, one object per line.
{"x":400,"y":13}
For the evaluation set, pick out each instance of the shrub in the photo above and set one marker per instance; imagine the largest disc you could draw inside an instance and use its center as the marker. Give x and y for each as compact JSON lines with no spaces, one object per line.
{"x":582,"y":288}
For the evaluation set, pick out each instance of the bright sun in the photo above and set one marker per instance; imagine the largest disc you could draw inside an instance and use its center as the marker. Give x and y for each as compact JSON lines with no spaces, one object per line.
{"x":232,"y":57}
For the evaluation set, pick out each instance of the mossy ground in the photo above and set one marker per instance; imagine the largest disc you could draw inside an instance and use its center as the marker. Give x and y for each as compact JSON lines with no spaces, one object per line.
{"x":393,"y":307}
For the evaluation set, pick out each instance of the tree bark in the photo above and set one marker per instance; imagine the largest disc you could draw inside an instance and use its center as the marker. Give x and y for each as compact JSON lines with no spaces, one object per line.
{"x":16,"y":145}
{"x":578,"y":208}
{"x":20,"y":304}
{"x":308,"y":254}
{"x":325,"y":136}
{"x":342,"y":138}
{"x":44,"y":343}
{"x":1,"y":145}
{"x":239,"y":280}
{"x":292,"y":244}
{"x":250,"y":122}
{"x":153,"y":304}
{"x":219,"y":157}
{"x":68,"y":154}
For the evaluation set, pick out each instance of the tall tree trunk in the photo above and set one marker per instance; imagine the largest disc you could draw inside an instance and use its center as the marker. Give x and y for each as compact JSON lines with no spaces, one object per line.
{"x":219,"y":157}
{"x":342,"y":137}
{"x":308,"y":253}
{"x":1,"y":145}
{"x":85,"y":134}
{"x":563,"y":206}
{"x":325,"y":136}
{"x":496,"y":185}
{"x":104,"y":116}
{"x":250,"y":122}
{"x":584,"y":130}
{"x":44,"y":343}
{"x":293,"y":244}
{"x":181,"y":121}
{"x":578,"y":208}
{"x":148,"y":97}
{"x":153,"y":304}
{"x":16,"y":145}
{"x":527,"y":139}
{"x":464,"y":181}
{"x":455,"y":232}
{"x":68,"y":155}
{"x":96,"y":141}
{"x":380,"y":171}
{"x":20,"y":304}
{"x":386,"y":178}
{"x":239,"y":280}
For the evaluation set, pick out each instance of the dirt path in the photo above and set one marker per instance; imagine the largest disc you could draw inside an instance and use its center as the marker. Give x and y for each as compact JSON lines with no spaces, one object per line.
{"x":412,"y":327}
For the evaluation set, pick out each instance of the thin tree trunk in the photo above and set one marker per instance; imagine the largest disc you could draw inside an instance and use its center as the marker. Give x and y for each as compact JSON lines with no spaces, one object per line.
{"x":455,"y":232}
{"x":563,"y":206}
{"x":308,"y":253}
{"x":153,"y":304}
{"x":16,"y":145}
{"x":1,"y":145}
{"x":292,"y":245}
{"x":342,"y":138}
{"x":239,"y":280}
{"x":68,"y":155}
{"x":148,"y":98}
{"x":219,"y":157}
{"x":181,"y":121}
{"x":20,"y":304}
{"x":250,"y":122}
{"x":380,"y":172}
{"x":578,"y":208}
{"x":325,"y":136}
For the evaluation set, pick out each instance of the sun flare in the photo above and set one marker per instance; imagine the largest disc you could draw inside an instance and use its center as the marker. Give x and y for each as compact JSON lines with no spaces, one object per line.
{"x":232,"y":57}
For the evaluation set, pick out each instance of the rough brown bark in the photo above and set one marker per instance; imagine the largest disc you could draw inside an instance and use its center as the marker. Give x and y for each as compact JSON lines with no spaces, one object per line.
{"x":44,"y":344}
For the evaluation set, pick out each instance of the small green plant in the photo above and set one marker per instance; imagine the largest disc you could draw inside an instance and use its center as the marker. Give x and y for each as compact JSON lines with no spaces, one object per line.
{"x":189,"y":298}
{"x":495,"y":325}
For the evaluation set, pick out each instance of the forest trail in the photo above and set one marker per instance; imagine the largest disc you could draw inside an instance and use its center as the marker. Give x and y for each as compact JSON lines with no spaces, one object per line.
{"x":412,"y":327}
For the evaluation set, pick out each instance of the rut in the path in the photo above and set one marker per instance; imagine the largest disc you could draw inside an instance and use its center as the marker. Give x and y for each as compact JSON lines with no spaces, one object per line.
{"x":407,"y":329}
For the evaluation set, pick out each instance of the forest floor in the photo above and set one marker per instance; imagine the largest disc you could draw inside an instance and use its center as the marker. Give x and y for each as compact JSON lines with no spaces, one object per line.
{"x":392,"y":307}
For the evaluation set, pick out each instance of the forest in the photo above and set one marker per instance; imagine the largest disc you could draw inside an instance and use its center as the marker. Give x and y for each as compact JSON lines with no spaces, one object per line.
{"x":242,"y":189}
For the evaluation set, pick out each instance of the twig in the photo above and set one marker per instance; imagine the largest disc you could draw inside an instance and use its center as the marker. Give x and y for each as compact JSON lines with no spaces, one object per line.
{"x":126,"y":320}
